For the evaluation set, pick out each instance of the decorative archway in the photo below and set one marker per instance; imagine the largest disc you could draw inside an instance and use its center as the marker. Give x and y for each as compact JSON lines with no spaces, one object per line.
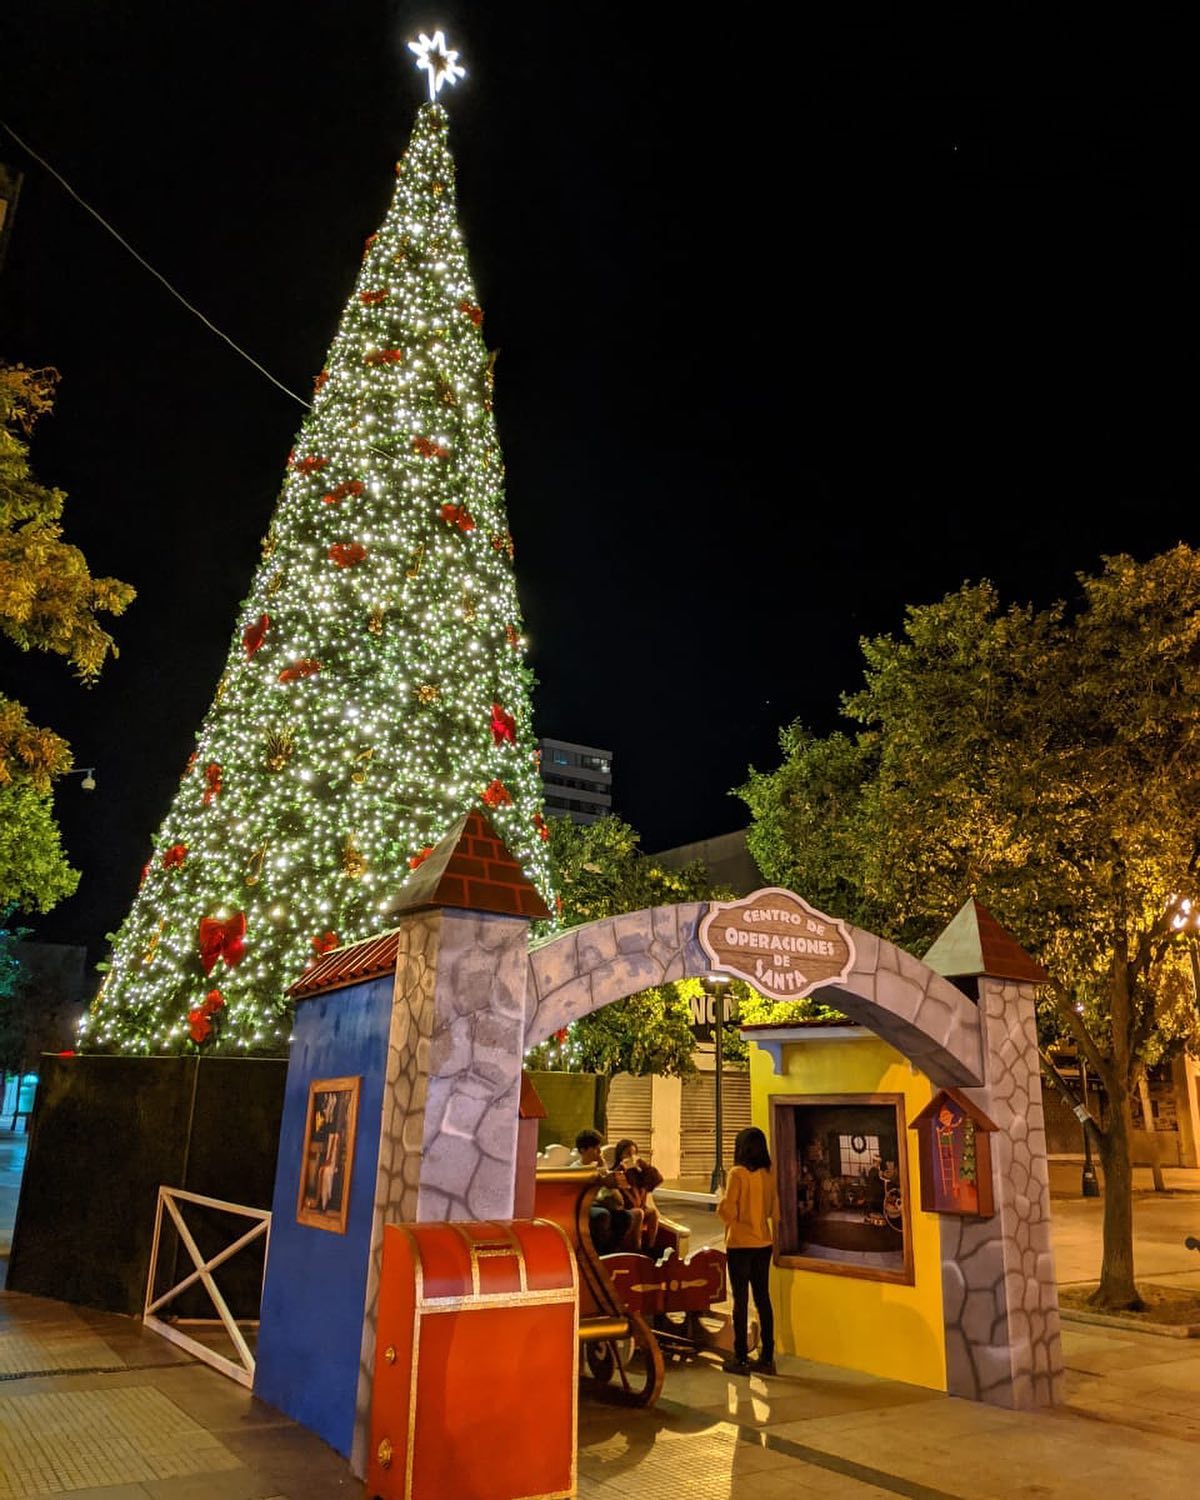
{"x":1000,"y":1295}
{"x":922,"y":1015}
{"x":437,"y":1014}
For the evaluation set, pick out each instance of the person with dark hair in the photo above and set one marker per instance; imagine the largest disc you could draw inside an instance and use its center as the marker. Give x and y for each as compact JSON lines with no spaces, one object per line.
{"x":609,"y":1221}
{"x":637,"y":1179}
{"x":588,"y":1141}
{"x":750,"y":1209}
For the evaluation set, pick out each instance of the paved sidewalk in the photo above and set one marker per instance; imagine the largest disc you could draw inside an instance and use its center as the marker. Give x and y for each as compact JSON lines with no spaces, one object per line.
{"x":117,"y":1414}
{"x":94,"y":1407}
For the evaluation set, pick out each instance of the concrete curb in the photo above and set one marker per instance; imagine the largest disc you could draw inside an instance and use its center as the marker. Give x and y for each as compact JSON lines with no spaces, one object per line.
{"x":1133,"y":1325}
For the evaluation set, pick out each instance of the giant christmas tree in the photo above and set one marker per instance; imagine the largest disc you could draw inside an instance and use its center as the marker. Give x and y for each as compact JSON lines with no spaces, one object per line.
{"x":374,"y":687}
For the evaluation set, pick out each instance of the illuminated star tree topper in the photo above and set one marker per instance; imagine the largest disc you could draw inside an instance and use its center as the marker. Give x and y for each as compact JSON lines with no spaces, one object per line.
{"x":433,"y":58}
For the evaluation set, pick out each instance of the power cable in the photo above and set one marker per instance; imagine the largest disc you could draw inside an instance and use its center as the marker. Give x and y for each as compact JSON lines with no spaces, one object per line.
{"x":142,"y":261}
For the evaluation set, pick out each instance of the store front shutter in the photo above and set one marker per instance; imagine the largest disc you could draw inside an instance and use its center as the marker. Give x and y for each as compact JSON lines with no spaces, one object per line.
{"x":699,"y":1120}
{"x":629,"y":1109}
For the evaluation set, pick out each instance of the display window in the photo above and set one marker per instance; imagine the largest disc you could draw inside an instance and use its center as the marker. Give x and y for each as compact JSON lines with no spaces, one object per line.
{"x":842,"y":1170}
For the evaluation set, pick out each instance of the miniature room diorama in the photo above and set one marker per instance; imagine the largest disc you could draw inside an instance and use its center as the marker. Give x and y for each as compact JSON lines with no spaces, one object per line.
{"x":841,"y":1172}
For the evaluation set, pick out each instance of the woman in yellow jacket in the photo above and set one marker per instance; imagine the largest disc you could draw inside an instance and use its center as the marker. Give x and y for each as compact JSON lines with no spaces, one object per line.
{"x":750,"y":1209}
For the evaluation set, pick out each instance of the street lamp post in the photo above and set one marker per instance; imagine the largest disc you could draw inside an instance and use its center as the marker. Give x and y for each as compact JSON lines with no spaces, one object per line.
{"x":1090,"y":1185}
{"x":716,"y":986}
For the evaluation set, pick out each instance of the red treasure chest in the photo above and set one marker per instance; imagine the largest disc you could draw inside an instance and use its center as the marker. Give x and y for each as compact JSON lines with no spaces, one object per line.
{"x":476,"y":1363}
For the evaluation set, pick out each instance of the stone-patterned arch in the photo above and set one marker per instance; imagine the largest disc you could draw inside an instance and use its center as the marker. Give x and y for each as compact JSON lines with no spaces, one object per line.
{"x":922,"y":1015}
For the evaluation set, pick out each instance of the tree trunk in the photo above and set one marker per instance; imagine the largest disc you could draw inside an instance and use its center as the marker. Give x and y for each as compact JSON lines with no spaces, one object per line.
{"x":1117,"y":1291}
{"x":1156,"y":1170}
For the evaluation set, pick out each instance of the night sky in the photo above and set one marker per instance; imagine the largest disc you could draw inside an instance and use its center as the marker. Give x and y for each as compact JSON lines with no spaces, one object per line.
{"x":796,"y":327}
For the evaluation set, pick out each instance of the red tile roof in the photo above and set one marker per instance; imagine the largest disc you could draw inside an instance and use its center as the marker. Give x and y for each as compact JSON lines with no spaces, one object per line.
{"x":349,"y":965}
{"x":473,"y":871}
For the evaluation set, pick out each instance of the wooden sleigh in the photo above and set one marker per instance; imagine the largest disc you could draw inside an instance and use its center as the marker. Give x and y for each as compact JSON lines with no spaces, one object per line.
{"x":634,"y":1306}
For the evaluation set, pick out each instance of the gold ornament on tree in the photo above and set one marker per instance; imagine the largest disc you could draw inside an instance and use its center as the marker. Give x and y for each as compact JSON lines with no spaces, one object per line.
{"x":275,"y":583}
{"x":281,"y":745}
{"x":375,"y":622}
{"x":489,"y":380}
{"x":354,"y":865}
{"x":427,"y":692}
{"x":414,"y":562}
{"x":152,"y":947}
{"x":255,"y":868}
{"x":362,"y":764}
{"x":470,"y":608}
{"x":268,"y":546}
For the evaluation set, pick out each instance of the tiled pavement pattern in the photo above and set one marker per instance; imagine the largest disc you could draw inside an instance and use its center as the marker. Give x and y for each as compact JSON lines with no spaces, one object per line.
{"x":57,"y":1442}
{"x":1131,"y":1428}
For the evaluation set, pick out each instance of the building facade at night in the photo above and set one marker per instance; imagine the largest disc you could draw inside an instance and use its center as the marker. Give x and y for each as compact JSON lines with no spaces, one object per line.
{"x":577,"y":780}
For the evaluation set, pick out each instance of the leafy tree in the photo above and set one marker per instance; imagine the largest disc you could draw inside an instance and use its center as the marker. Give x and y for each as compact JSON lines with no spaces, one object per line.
{"x":34,"y":873}
{"x":1046,"y":761}
{"x":48,"y":601}
{"x":599,"y":871}
{"x":38,"y":999}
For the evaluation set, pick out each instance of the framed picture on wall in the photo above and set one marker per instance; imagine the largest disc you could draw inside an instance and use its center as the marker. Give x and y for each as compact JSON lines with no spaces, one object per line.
{"x":842,"y":1168}
{"x":328,"y":1153}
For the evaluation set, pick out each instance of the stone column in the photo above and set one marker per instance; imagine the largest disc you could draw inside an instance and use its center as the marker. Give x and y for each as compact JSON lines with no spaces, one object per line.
{"x":447,"y":1147}
{"x":998,"y":1282}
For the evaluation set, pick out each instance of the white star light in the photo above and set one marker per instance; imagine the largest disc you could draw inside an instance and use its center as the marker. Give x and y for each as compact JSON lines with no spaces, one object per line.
{"x":432,"y":58}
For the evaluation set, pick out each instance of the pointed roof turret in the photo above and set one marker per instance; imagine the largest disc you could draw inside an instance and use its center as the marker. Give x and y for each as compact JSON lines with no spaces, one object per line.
{"x":974,"y":944}
{"x":471,"y":869}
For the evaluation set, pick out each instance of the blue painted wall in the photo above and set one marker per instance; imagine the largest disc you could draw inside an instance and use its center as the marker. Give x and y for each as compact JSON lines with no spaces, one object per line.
{"x":310,"y":1334}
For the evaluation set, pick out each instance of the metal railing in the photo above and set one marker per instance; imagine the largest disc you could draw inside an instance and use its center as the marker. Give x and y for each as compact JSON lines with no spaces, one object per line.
{"x":170,"y":1198}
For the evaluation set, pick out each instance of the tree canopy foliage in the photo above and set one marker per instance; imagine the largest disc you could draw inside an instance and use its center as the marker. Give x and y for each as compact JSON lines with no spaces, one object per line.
{"x":1047,"y":761}
{"x":599,"y":871}
{"x":48,"y":601}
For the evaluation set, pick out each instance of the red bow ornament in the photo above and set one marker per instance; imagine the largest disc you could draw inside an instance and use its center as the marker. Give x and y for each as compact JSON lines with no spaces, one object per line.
{"x":307,"y":666}
{"x":384,"y":357}
{"x":254,"y":635}
{"x":370,"y":240}
{"x":418,"y":859}
{"x":311,"y":463}
{"x":340,"y":491}
{"x":174,"y":856}
{"x":319,"y":382}
{"x":474,"y":312}
{"x":428,"y":448}
{"x":324,"y":942}
{"x":504,"y":726}
{"x":543,"y":831}
{"x":212,"y":778}
{"x":346,"y":554}
{"x":457,"y":515}
{"x":497,"y":795}
{"x":222,"y":940}
{"x":375,"y":297}
{"x":198,"y":1019}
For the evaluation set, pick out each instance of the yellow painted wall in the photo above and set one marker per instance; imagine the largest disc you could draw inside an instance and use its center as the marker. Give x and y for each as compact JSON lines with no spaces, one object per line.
{"x":877,"y":1326}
